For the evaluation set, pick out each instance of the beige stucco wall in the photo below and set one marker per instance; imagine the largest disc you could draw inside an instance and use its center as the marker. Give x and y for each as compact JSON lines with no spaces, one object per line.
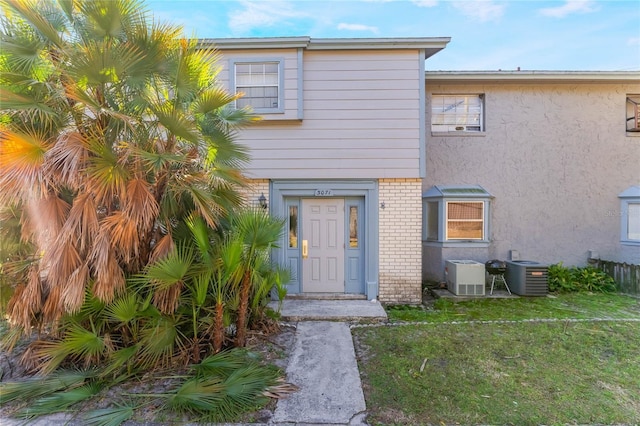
{"x":555,"y":157}
{"x":399,"y":245}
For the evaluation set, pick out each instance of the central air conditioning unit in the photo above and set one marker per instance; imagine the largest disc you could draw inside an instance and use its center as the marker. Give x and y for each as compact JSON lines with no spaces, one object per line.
{"x":527,"y":278}
{"x":465,"y":277}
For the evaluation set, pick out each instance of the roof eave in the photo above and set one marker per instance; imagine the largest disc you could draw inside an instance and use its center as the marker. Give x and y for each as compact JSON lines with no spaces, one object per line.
{"x":533,"y":76}
{"x":430,"y":45}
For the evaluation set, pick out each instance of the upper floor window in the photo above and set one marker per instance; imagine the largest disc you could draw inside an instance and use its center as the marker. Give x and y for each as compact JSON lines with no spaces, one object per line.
{"x":457,"y":113}
{"x":261,"y":84}
{"x":456,"y":214}
{"x":633,"y":113}
{"x":630,"y":215}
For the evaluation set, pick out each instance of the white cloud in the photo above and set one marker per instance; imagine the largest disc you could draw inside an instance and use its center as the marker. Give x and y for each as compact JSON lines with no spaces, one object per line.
{"x":357,"y":27}
{"x":425,"y":3}
{"x":261,"y":14}
{"x":569,"y":7}
{"x":633,"y":41}
{"x":483,"y":10}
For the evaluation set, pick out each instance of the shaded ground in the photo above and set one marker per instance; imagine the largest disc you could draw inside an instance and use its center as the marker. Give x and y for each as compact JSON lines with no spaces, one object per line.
{"x":271,"y":348}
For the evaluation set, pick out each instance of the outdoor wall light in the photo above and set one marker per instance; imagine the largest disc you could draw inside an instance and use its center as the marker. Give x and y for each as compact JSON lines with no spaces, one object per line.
{"x":382,"y":205}
{"x":263,"y":201}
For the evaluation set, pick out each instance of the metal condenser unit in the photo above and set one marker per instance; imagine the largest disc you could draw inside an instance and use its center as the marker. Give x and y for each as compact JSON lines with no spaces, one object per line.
{"x":527,"y":278}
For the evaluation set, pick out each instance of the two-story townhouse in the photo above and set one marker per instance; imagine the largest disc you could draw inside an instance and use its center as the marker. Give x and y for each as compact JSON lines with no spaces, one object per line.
{"x":383,"y":171}
{"x":340,"y":154}
{"x":536,"y":165}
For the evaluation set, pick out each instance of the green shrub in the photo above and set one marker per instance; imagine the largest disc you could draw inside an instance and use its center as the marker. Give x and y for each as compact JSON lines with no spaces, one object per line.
{"x":575,"y":279}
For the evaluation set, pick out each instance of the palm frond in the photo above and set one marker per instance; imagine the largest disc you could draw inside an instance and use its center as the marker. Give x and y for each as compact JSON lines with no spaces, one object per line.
{"x":237,"y":118}
{"x":74,"y":291}
{"x":67,"y":158}
{"x":197,"y":396}
{"x":176,"y":122}
{"x":22,"y":53}
{"x":107,"y":175}
{"x":258,"y":229}
{"x":60,"y":401}
{"x":199,"y":286}
{"x":163,"y":247}
{"x":140,"y":204}
{"x":191,"y":188}
{"x":124,"y":233}
{"x":61,"y":259}
{"x":38,"y":20}
{"x":37,"y":386}
{"x":124,"y":309}
{"x":172,"y":269}
{"x":113,"y":416}
{"x":26,"y":301}
{"x":109,"y":276}
{"x":221,"y":364}
{"x":157,"y":161}
{"x":78,"y":343}
{"x":119,"y":359}
{"x":24,"y":102}
{"x":245,"y":386}
{"x":82,"y":223}
{"x":229,"y":385}
{"x":212,"y":99}
{"x":158,"y":341}
{"x":21,"y":159}
{"x":109,"y":18}
{"x":201,"y":236}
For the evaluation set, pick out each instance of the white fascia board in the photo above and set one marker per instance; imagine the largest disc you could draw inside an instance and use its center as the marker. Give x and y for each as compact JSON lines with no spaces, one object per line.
{"x":255,"y":43}
{"x":378,"y":43}
{"x":534,"y":76}
{"x":431,"y":45}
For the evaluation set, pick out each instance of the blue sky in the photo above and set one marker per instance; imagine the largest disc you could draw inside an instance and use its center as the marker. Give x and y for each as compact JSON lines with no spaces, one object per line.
{"x":485,"y":34}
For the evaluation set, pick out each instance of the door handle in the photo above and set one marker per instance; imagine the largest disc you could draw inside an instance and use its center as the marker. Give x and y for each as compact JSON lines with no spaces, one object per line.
{"x":305,"y":249}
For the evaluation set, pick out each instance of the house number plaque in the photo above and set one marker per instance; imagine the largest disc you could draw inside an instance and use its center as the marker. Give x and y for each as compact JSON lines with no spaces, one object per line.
{"x":324,"y":193}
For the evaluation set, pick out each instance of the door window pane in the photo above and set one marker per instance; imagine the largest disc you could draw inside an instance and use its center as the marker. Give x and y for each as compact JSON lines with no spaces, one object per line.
{"x":353,"y":226}
{"x":293,"y":226}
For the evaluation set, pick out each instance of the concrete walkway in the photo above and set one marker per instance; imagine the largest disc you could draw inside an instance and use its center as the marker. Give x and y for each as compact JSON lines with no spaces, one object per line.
{"x":323,"y":363}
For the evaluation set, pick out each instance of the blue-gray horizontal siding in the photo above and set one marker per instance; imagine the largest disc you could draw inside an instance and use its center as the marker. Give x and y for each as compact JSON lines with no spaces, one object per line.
{"x":361,"y":120}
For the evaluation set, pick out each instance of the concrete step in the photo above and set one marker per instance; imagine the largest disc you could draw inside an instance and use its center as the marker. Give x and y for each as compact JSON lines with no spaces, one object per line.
{"x":331,"y":310}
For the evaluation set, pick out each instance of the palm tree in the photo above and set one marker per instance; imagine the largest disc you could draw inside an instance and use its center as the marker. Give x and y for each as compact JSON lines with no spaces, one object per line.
{"x":257,"y":233}
{"x":113,"y":131}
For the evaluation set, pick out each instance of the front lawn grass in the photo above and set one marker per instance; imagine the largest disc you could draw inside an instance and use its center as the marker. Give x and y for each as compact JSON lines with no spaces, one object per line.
{"x":523,"y":373}
{"x":572,"y":305}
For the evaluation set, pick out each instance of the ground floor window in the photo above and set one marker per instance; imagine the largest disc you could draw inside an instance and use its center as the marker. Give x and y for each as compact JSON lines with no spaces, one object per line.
{"x":630,"y":215}
{"x":456,"y":214}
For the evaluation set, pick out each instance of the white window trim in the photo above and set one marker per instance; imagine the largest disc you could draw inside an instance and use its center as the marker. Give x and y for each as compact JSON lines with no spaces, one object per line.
{"x":464,"y":131}
{"x":262,"y":60}
{"x":630,"y":196}
{"x":435,"y":195}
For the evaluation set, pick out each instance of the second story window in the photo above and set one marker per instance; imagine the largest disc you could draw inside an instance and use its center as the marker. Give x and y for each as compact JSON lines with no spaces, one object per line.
{"x":457,"y":113}
{"x":633,"y":113}
{"x":261,"y":84}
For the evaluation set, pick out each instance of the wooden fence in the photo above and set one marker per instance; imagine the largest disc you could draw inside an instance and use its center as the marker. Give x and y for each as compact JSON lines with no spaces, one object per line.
{"x":627,"y":276}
